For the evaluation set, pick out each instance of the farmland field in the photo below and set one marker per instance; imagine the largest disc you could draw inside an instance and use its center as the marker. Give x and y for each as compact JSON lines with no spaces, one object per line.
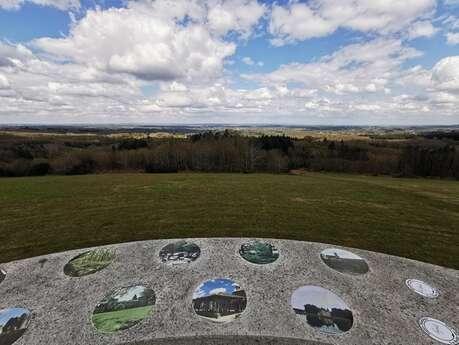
{"x":414,"y":218}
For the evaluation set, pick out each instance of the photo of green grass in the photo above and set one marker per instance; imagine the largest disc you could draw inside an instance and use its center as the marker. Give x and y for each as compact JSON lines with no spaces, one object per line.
{"x":259,"y":252}
{"x":123,"y":308}
{"x":89,"y":262}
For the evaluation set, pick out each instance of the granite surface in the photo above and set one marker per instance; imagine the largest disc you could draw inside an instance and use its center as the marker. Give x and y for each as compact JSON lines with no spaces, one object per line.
{"x":385,"y":311}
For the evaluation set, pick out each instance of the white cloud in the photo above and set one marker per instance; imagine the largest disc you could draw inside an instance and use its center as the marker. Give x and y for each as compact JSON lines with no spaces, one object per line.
{"x":142,"y":42}
{"x":234,"y":15}
{"x":217,"y":291}
{"x":422,"y":29}
{"x":445,"y":74}
{"x":4,"y":83}
{"x":299,"y":21}
{"x":452,"y":38}
{"x":59,"y":4}
{"x":248,"y":61}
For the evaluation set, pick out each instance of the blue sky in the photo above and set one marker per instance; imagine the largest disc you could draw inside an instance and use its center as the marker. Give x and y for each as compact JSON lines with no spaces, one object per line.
{"x":215,"y":286}
{"x":7,"y":314}
{"x":330,"y":62}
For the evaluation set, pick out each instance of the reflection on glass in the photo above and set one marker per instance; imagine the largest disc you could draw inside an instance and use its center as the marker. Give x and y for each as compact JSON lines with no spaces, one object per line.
{"x":13,"y":324}
{"x":322,"y":309}
{"x":219,"y":300}
{"x":123,"y":308}
{"x":344,"y":261}
{"x":439,"y":331}
{"x":259,"y":252}
{"x":89,"y":262}
{"x":179,"y":253}
{"x":2,"y":275}
{"x":422,"y":288}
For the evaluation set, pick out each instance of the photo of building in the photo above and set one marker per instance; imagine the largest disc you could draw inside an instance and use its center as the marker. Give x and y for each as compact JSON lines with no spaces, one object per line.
{"x":322,"y":309}
{"x":259,"y":252}
{"x":219,"y":300}
{"x":179,"y":252}
{"x":89,"y":262}
{"x":13,"y":324}
{"x":344,"y":261}
{"x":2,"y":275}
{"x":123,"y":308}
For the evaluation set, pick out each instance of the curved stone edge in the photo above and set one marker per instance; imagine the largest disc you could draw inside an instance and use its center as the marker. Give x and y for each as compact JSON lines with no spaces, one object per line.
{"x":380,"y":301}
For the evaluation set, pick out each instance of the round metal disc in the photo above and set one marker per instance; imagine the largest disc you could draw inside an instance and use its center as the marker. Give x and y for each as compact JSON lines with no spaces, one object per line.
{"x":438,"y":330}
{"x":422,"y":288}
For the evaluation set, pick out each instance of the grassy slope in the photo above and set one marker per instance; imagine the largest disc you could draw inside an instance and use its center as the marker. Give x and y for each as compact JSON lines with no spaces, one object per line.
{"x":414,"y":218}
{"x":113,"y":321}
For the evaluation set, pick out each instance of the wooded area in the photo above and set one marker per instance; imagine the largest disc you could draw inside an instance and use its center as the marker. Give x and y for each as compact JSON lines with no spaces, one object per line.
{"x":227,"y":151}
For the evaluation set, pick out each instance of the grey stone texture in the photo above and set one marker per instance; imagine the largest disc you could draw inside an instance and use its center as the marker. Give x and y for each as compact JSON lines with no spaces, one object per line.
{"x":385,"y":310}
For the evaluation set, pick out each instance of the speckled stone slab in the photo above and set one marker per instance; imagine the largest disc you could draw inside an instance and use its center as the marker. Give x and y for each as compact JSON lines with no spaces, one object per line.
{"x":385,"y":310}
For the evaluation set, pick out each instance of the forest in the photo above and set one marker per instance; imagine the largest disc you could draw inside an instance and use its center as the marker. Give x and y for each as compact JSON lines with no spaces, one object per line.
{"x":228,"y":151}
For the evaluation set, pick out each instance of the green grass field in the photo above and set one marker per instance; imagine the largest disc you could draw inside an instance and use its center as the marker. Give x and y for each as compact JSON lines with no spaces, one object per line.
{"x":415,"y":218}
{"x":116,"y":320}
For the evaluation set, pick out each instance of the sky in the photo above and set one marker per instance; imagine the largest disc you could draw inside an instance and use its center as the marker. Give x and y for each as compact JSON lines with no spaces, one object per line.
{"x":7,"y":314}
{"x":215,"y":286}
{"x":310,"y":62}
{"x":317,"y":296}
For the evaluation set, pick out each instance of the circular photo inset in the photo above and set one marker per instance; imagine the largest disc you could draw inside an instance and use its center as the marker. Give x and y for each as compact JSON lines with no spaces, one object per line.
{"x":344,"y":261}
{"x":422,"y":288}
{"x":13,"y":324}
{"x":180,"y":252}
{"x":2,"y":275}
{"x":89,"y":262}
{"x":322,"y":309}
{"x":123,"y":308}
{"x":259,"y":252}
{"x":439,"y":331}
{"x":219,"y":300}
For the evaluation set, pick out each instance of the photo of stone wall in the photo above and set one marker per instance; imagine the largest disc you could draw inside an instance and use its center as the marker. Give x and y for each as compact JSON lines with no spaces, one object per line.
{"x":322,"y":309}
{"x":13,"y":324}
{"x":259,"y":252}
{"x":2,"y":275}
{"x":180,"y":252}
{"x":219,"y":300}
{"x":123,"y":308}
{"x":344,"y":261}
{"x":89,"y":262}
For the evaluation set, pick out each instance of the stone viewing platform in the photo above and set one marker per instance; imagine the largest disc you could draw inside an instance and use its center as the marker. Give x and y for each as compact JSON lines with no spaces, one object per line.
{"x":226,"y":291}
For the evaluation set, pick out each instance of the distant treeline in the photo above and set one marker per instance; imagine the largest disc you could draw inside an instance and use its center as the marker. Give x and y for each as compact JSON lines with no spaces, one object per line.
{"x":227,"y":151}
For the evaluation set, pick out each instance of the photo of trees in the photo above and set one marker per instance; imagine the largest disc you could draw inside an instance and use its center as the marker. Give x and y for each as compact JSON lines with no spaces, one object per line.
{"x":89,"y":262}
{"x":123,"y":308}
{"x":322,"y":309}
{"x":259,"y":252}
{"x":13,"y":324}
{"x":180,"y":252}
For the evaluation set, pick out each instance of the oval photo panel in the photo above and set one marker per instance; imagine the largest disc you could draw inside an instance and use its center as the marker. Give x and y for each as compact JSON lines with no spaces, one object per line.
{"x":2,"y":275}
{"x":322,"y":309}
{"x":422,"y":288}
{"x":259,"y":252}
{"x":344,"y":261}
{"x":89,"y":262}
{"x":438,"y":330}
{"x":219,"y":300}
{"x":180,"y":252}
{"x":123,"y":308}
{"x":13,"y":324}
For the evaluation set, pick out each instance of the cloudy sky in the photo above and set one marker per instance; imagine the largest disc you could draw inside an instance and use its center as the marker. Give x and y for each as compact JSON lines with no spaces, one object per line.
{"x":333,"y":62}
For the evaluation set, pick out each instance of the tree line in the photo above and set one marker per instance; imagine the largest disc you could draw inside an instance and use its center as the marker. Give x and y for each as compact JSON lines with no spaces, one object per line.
{"x":226,"y":151}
